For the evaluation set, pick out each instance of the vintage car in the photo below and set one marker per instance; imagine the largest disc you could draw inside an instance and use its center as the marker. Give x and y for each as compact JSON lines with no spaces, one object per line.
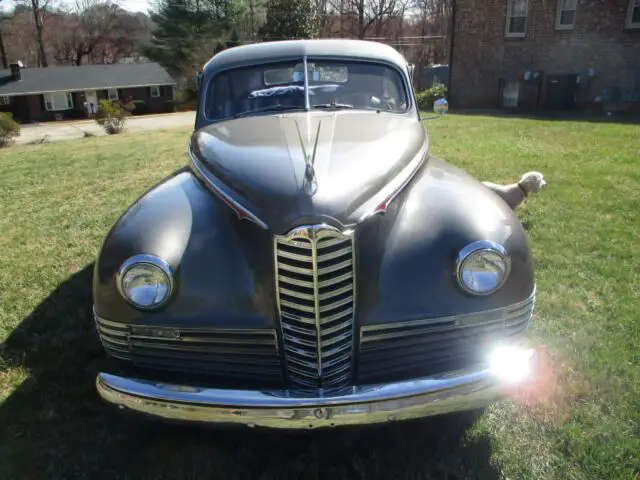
{"x":312,"y":265}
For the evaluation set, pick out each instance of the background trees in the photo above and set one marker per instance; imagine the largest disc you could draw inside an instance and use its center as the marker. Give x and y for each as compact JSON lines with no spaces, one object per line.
{"x":290,"y":19}
{"x":183,"y":34}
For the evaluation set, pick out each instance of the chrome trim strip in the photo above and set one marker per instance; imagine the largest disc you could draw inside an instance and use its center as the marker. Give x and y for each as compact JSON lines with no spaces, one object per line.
{"x":304,"y":245}
{"x":335,"y":293}
{"x":333,"y":268}
{"x":295,"y":281}
{"x":291,"y":293}
{"x":338,"y":304}
{"x":292,"y":409}
{"x":395,"y":186}
{"x":335,"y":280}
{"x":503,"y":317}
{"x":199,"y":170}
{"x":303,"y":271}
{"x":307,"y":102}
{"x":293,"y":256}
{"x":316,"y":301}
{"x":332,"y":255}
{"x":299,"y":319}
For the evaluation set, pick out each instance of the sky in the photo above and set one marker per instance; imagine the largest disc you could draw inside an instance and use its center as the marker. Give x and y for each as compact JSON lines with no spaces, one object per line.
{"x":131,"y":5}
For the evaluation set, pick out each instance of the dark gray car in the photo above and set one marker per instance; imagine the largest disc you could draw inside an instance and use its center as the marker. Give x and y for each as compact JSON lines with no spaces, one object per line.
{"x":312,"y":265}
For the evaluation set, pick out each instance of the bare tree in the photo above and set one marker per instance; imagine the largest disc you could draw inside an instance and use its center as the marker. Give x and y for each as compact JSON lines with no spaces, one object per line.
{"x":362,"y":15}
{"x":39,"y":8}
{"x":94,"y":30}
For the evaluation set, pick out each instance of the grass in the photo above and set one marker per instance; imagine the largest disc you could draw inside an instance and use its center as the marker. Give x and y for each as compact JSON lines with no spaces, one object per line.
{"x":581,"y":420}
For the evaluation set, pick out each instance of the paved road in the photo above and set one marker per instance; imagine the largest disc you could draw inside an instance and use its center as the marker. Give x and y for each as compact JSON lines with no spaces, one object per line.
{"x":53,"y":132}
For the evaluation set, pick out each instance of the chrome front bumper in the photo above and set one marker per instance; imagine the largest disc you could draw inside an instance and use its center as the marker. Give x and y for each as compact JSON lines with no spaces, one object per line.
{"x":474,"y":388}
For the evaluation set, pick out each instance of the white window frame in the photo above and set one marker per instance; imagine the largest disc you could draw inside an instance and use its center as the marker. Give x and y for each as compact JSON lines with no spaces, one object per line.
{"x":509,"y":16}
{"x":154,"y":89}
{"x":5,"y":100}
{"x":561,"y":9}
{"x":110,"y":91}
{"x":51,"y":105}
{"x":633,"y":4}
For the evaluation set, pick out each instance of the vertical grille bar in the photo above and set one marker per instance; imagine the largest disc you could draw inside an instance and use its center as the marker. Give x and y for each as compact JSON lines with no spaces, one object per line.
{"x":315,"y":287}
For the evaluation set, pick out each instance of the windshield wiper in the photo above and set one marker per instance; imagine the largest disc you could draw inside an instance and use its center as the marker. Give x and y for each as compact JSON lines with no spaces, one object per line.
{"x":271,"y":108}
{"x":333,"y":106}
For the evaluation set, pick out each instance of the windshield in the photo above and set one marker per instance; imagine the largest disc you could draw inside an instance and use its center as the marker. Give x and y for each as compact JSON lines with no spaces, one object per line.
{"x":281,"y":87}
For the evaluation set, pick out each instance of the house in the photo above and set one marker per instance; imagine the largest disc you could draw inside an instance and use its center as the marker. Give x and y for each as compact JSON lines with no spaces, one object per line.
{"x":56,"y":93}
{"x":546,"y":54}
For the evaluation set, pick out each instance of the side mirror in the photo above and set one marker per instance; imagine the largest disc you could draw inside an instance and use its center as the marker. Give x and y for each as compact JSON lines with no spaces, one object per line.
{"x":198,"y":79}
{"x":412,"y":68}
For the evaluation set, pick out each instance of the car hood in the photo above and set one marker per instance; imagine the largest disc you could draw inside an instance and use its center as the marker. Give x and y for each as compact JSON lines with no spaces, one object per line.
{"x":360,"y":159}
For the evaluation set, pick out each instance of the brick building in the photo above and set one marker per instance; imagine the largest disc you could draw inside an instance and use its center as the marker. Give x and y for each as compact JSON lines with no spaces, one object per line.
{"x":546,"y":54}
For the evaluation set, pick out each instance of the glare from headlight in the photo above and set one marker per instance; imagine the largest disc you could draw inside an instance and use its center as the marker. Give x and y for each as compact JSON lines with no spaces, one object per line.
{"x":511,"y":364}
{"x":482,"y":267}
{"x":145,"y":281}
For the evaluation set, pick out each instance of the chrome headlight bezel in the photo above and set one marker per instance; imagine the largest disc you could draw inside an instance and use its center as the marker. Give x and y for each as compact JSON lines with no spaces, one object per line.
{"x":157,"y":263}
{"x":479,"y":247}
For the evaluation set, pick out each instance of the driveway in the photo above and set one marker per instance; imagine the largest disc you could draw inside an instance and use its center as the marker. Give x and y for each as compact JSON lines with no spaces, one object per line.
{"x":52,"y":132}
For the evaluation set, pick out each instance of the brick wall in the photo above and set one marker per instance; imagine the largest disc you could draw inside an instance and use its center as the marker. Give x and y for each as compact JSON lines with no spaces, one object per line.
{"x":484,"y":58}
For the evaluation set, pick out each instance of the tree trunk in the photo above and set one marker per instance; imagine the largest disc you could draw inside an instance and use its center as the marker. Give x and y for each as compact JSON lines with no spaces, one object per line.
{"x":37,"y":16}
{"x":361,"y":30}
{"x":3,"y":52}
{"x":250,"y":18}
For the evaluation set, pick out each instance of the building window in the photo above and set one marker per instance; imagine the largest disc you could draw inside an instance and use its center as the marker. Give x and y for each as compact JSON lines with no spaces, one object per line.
{"x":517,"y":18}
{"x":566,"y":14}
{"x":633,"y":18}
{"x":155,"y":91}
{"x":112,"y":94}
{"x":58,"y":101}
{"x":4,"y":100}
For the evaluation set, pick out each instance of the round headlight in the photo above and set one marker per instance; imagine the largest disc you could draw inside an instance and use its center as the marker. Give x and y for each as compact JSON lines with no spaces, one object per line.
{"x":145,"y":281}
{"x":482,"y":267}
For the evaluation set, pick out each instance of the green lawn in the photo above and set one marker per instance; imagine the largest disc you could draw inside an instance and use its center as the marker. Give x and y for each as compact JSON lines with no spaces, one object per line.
{"x":582,"y":419}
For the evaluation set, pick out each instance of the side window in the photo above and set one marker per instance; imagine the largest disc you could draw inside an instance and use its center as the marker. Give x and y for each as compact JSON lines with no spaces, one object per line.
{"x":220,"y":101}
{"x":393,"y":91}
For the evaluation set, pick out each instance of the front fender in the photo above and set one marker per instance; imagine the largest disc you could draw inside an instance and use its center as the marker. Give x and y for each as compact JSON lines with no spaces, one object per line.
{"x":223,"y":268}
{"x":407,"y":257}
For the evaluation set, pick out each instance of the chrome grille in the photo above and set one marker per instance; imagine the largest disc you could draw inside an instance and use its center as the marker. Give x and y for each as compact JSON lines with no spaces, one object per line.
{"x":315,"y":286}
{"x":395,"y":351}
{"x":239,"y":354}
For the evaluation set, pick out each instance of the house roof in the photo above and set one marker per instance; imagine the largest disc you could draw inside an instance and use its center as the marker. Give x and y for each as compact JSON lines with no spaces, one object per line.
{"x":84,"y":77}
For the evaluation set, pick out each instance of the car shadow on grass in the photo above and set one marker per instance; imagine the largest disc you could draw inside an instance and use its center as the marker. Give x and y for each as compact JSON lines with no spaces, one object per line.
{"x":54,"y":425}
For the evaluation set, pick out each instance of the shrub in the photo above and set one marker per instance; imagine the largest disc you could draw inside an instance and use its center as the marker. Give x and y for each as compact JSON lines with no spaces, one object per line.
{"x":112,"y":116}
{"x":8,"y":129}
{"x":426,"y":97}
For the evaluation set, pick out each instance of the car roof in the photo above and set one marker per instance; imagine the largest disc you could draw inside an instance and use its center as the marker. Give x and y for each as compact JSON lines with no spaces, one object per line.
{"x":281,"y":50}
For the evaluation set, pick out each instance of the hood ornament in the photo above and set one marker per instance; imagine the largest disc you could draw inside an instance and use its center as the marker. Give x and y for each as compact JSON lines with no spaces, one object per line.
{"x":310,"y":180}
